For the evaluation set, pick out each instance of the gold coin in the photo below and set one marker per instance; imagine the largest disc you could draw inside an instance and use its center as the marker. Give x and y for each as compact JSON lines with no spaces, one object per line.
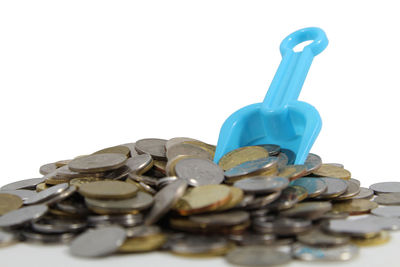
{"x":241,"y":155}
{"x":270,"y":172}
{"x":77,"y":182}
{"x":209,"y":148}
{"x":115,"y":149}
{"x":55,"y":181}
{"x":9,"y":203}
{"x":382,"y":238}
{"x":204,"y":198}
{"x":170,"y":168}
{"x":143,"y":243}
{"x":237,"y":196}
{"x":354,"y":206}
{"x":293,"y":172}
{"x":108,"y":190}
{"x":41,"y":187}
{"x":186,"y":225}
{"x":328,"y":170}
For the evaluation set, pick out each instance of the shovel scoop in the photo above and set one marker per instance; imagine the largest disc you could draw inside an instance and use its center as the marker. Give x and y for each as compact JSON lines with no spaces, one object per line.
{"x":280,"y":119}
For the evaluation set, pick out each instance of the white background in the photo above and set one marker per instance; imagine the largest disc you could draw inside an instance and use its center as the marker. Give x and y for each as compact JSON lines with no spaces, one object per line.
{"x":78,"y":76}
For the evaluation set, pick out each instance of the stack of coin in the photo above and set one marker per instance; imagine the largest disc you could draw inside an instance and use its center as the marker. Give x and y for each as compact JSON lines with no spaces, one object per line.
{"x":255,"y":205}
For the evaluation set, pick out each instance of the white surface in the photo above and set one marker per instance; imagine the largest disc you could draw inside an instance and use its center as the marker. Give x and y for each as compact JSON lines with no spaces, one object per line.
{"x":77,"y":76}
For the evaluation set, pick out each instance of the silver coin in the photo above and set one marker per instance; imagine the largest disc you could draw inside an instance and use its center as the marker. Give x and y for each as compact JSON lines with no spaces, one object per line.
{"x":290,"y":155}
{"x":65,"y":173}
{"x":139,"y":163}
{"x":308,"y":210}
{"x":335,"y":187}
{"x":389,"y":211}
{"x":338,"y":253}
{"x":72,"y":206}
{"x":7,"y":238}
{"x":334,"y":215}
{"x":253,"y":239}
{"x":177,"y":140}
{"x":185,"y":149}
{"x":57,"y":225}
{"x":252,"y":166}
{"x":356,"y":181}
{"x":126,"y":220}
{"x":313,"y":162}
{"x":365,"y":193}
{"x":147,"y":188}
{"x":23,"y":215}
{"x":356,"y":228}
{"x":257,"y":256}
{"x":199,"y":172}
{"x":44,"y":238}
{"x":132,"y":149}
{"x":283,"y":161}
{"x":23,"y":184}
{"x":166,"y":181}
{"x":47,"y":194}
{"x":386,"y":223}
{"x":144,"y":179}
{"x":97,"y":163}
{"x":60,"y":197}
{"x":22,"y":193}
{"x":273,"y":150}
{"x":317,"y":238}
{"x":289,"y":197}
{"x":281,"y":226}
{"x":142,"y":230}
{"x":314,"y":186}
{"x":352,"y":190}
{"x":386,"y":187}
{"x":99,"y":242}
{"x":47,"y":168}
{"x":165,"y":199}
{"x":262,"y":184}
{"x":260,"y":202}
{"x":198,"y":244}
{"x":388,"y":199}
{"x":228,"y":218}
{"x":152,"y":146}
{"x":141,"y":201}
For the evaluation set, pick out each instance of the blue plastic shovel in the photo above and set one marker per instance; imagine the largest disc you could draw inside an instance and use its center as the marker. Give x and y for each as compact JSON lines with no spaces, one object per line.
{"x":280,"y":119}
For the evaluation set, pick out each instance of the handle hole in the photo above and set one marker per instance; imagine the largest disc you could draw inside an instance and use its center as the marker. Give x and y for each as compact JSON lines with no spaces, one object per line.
{"x":299,"y":47}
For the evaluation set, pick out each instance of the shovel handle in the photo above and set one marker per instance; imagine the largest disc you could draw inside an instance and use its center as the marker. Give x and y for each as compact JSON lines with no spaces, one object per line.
{"x":293,"y":69}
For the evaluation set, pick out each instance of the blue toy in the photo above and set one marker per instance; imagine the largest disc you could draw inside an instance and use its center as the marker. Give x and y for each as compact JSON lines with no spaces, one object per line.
{"x":280,"y":119}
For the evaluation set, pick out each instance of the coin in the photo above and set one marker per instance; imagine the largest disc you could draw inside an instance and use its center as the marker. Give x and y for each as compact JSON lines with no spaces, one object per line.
{"x":389,"y":211}
{"x":251,"y":239}
{"x":141,"y":201}
{"x":143,"y":243}
{"x":260,"y":202}
{"x":352,"y":190}
{"x":308,"y":210}
{"x":388,"y":199}
{"x":335,"y":187}
{"x":355,"y":228}
{"x":281,"y":226}
{"x":386,"y":223}
{"x":283,"y":160}
{"x":257,"y":256}
{"x":251,"y":167}
{"x":289,"y":197}
{"x":108,"y":190}
{"x":261,"y":184}
{"x":84,"y":180}
{"x":237,"y":196}
{"x":23,"y":184}
{"x":354,"y":206}
{"x":293,"y":172}
{"x":241,"y":155}
{"x":142,"y":230}
{"x":382,"y":238}
{"x":319,"y":238}
{"x":140,"y":164}
{"x":228,"y":218}
{"x":125,"y":220}
{"x":190,"y":150}
{"x":336,"y":165}
{"x":43,"y":238}
{"x":338,"y":253}
{"x":386,"y":187}
{"x":7,"y":238}
{"x":273,"y":150}
{"x":47,"y":168}
{"x":98,"y":242}
{"x":142,"y":186}
{"x":97,"y":163}
{"x":166,"y":181}
{"x":313,"y":162}
{"x":57,"y":225}
{"x":365,"y":193}
{"x":42,"y":186}
{"x":22,"y":193}
{"x":9,"y":203}
{"x":177,"y":140}
{"x":124,"y":150}
{"x":199,"y":172}
{"x":22,"y":215}
{"x":327,"y":170}
{"x":199,"y":245}
{"x":132,"y":149}
{"x":290,"y":155}
{"x":209,"y":148}
{"x":46,"y":194}
{"x":152,"y":146}
{"x":314,"y":186}
{"x":203,"y":198}
{"x":165,"y":199}
{"x":62,"y":163}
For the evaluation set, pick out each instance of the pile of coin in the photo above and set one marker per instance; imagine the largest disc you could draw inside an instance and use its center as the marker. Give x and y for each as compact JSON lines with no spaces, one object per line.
{"x":255,"y":207}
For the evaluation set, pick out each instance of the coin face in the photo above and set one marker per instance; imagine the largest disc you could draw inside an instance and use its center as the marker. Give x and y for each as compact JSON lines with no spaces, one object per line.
{"x":388,"y":199}
{"x":389,"y":211}
{"x":261,"y":184}
{"x":314,"y":186}
{"x":252,"y":166}
{"x":140,"y":164}
{"x":335,"y":187}
{"x":23,"y":184}
{"x":165,"y":199}
{"x":98,"y":242}
{"x":317,"y":238}
{"x":189,"y":150}
{"x":308,"y":210}
{"x":108,"y":190}
{"x":386,"y":187}
{"x":257,"y":256}
{"x":199,"y":171}
{"x":22,"y":215}
{"x":9,"y":203}
{"x":338,"y":253}
{"x":328,"y":170}
{"x":241,"y":155}
{"x":97,"y":163}
{"x":152,"y":146}
{"x":313,"y":162}
{"x":46,"y":194}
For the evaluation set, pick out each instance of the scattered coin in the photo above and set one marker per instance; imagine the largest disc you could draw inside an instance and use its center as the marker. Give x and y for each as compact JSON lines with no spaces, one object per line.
{"x":9,"y":203}
{"x":237,"y":196}
{"x":262,"y":184}
{"x":314,"y":186}
{"x":335,"y":187}
{"x":23,"y":215}
{"x":327,"y":170}
{"x":354,"y":206}
{"x":251,"y":167}
{"x":290,"y":155}
{"x":257,"y":256}
{"x":108,"y":190}
{"x":388,"y":199}
{"x":132,"y":149}
{"x":98,"y":242}
{"x":23,"y":184}
{"x":389,"y":211}
{"x":97,"y":163}
{"x":241,"y":155}
{"x":199,"y":172}
{"x":152,"y":146}
{"x":177,"y":140}
{"x":46,"y":194}
{"x":77,"y":182}
{"x":319,"y":238}
{"x":338,"y":253}
{"x":140,"y":164}
{"x":365,"y":193}
{"x":386,"y":187}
